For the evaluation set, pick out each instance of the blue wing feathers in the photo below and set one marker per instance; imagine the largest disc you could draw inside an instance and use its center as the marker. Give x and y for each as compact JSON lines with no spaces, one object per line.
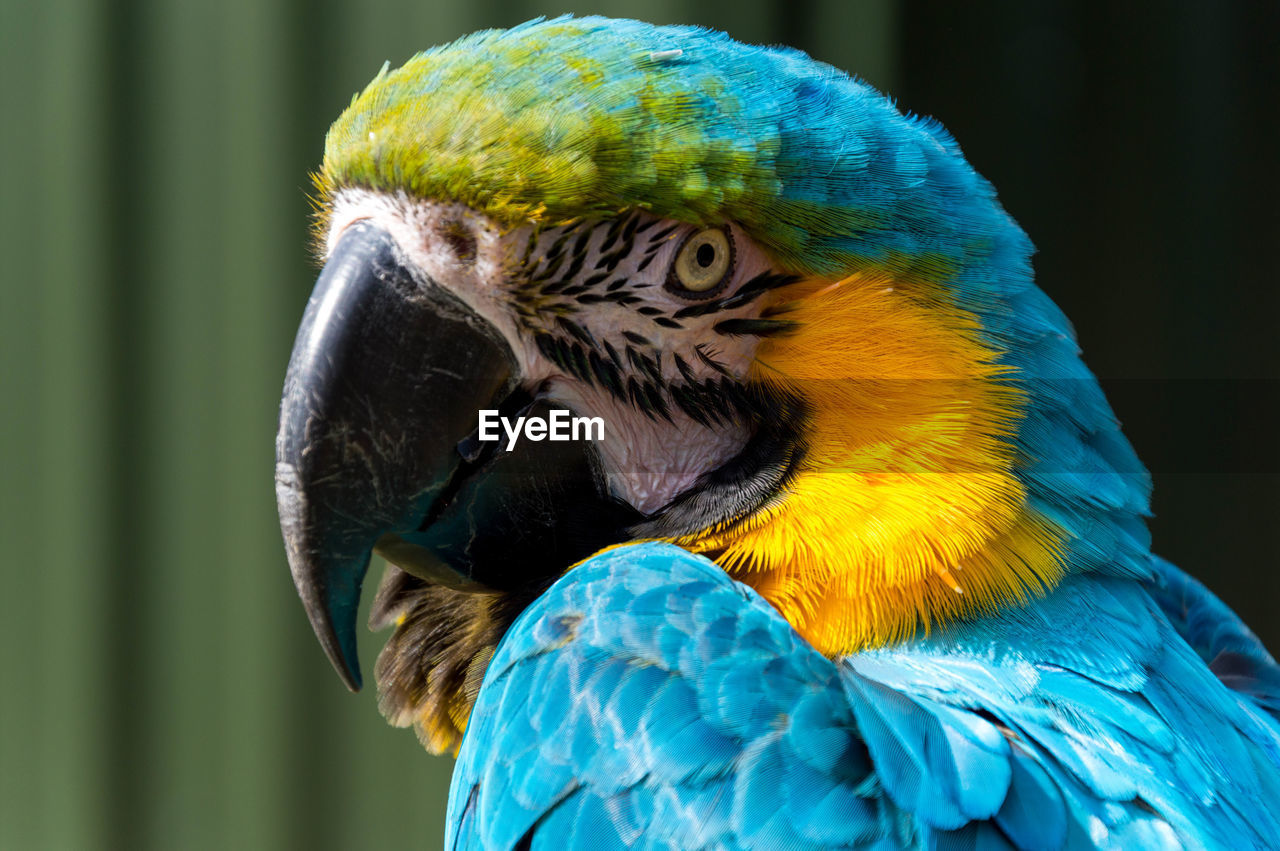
{"x":1033,"y":814}
{"x":648,"y":690}
{"x":926,"y":756}
{"x":743,"y":770}
{"x":1218,"y":636}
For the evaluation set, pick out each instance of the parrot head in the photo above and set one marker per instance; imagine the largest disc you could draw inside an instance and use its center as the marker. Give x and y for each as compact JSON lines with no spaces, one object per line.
{"x":806,"y":329}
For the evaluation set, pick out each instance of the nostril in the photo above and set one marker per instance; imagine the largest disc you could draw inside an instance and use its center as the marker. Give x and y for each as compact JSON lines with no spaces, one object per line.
{"x":459,"y":239}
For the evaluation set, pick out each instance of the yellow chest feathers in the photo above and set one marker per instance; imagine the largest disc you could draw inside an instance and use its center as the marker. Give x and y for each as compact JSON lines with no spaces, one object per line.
{"x":905,"y":510}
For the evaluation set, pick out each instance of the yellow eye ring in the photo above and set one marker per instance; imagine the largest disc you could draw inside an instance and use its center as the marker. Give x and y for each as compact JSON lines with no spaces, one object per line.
{"x":703,"y":264}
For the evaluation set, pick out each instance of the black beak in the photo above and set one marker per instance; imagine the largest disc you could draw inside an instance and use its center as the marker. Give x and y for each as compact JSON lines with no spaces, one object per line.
{"x":387,"y":375}
{"x":378,"y":450}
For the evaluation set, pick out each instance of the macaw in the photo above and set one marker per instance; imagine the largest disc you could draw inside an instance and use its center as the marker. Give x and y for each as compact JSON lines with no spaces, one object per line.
{"x":858,"y":557}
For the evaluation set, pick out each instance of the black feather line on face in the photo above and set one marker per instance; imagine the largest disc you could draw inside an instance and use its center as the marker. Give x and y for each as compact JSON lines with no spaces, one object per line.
{"x":700,"y":351}
{"x":754,"y":327}
{"x":584,"y":238}
{"x":609,"y":262}
{"x":656,"y":242}
{"x":549,"y":271}
{"x":694,"y":401}
{"x":607,"y":374}
{"x":767,"y":281}
{"x":581,"y":364}
{"x":747,"y":293}
{"x":613,"y":354}
{"x":530,"y":246}
{"x":688,"y":402}
{"x":657,"y":399}
{"x":560,"y":352}
{"x":698,"y":309}
{"x":612,"y":234}
{"x":633,"y":223}
{"x":547,"y":345}
{"x":656,"y":239}
{"x":683,"y":367}
{"x":555,"y":287}
{"x":565,"y":349}
{"x":633,"y":358}
{"x":579,"y":255}
{"x":638,"y":339}
{"x":637,"y":396}
{"x":576,"y":330}
{"x":554,"y":259}
{"x":646,"y":365}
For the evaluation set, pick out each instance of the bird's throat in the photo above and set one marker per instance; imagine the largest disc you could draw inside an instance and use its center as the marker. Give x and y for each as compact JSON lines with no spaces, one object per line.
{"x":906,"y":509}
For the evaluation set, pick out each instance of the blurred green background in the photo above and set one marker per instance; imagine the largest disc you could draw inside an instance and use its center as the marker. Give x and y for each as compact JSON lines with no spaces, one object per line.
{"x":161,"y":687}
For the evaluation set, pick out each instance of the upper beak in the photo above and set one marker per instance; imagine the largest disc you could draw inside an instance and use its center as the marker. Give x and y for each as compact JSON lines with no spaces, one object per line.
{"x":387,"y":375}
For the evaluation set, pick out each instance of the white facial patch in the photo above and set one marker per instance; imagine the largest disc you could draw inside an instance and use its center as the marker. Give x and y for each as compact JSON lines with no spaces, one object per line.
{"x":600,"y":324}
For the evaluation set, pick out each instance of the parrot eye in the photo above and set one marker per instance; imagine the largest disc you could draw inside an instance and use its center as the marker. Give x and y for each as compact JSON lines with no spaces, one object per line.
{"x":704,"y":264}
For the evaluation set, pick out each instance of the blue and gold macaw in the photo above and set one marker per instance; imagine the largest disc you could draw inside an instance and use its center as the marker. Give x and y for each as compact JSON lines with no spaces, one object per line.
{"x":849,"y":551}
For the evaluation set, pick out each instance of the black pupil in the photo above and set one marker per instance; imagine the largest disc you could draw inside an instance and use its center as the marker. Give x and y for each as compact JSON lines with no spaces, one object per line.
{"x":706,"y":255}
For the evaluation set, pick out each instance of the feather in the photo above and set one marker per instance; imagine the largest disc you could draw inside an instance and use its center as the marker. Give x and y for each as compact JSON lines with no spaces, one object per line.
{"x":986,"y":734}
{"x":945,"y":437}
